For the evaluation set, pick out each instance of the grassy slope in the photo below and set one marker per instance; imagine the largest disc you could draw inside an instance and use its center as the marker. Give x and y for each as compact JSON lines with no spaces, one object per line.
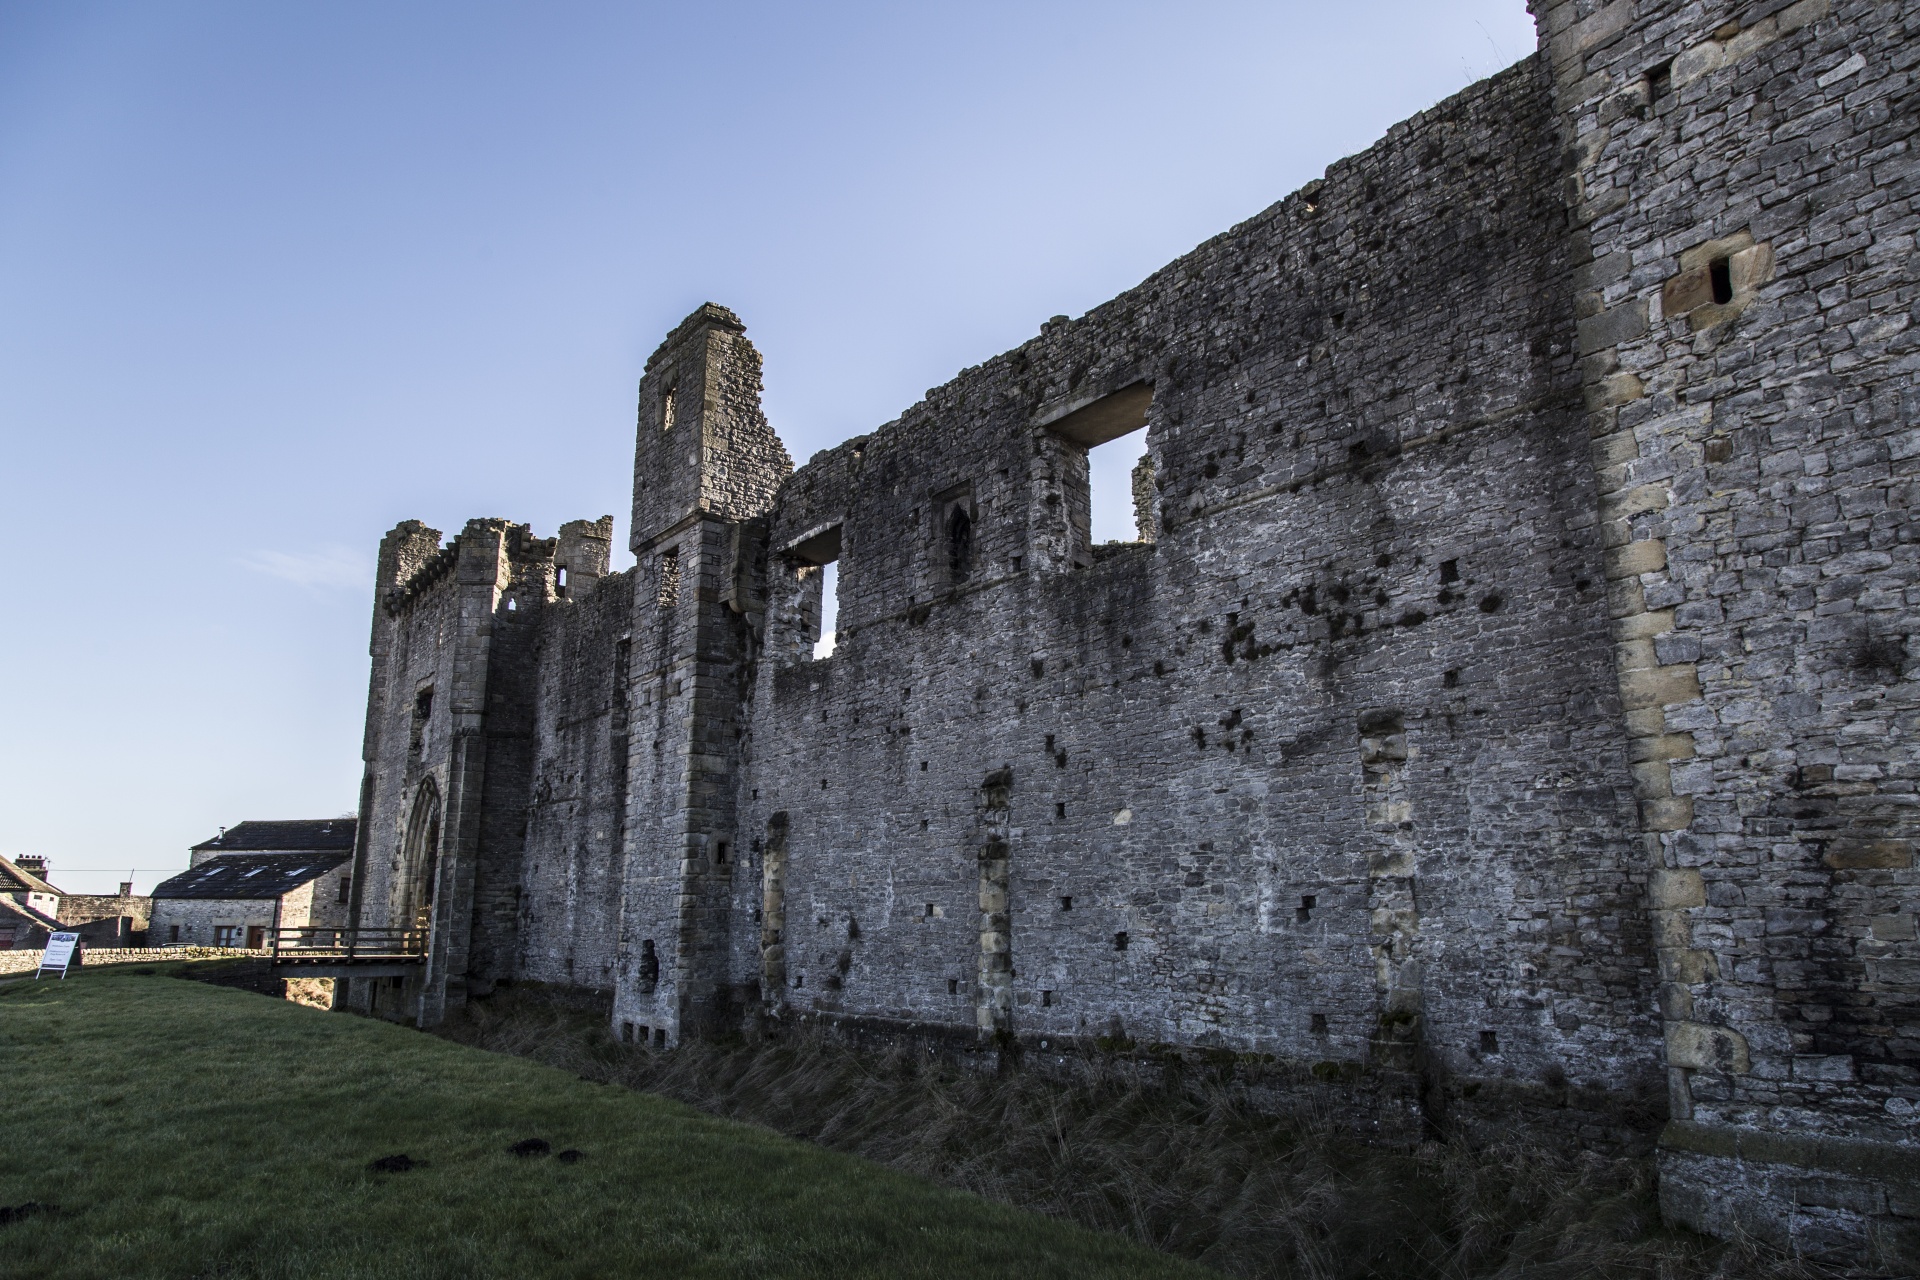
{"x":188,"y":1130}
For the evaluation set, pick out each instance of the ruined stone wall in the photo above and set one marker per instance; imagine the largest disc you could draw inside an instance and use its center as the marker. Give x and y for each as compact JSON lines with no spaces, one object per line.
{"x":449,"y":751}
{"x":1508,"y":697}
{"x":576,"y":819}
{"x":1746,"y":197}
{"x":1335,"y":769}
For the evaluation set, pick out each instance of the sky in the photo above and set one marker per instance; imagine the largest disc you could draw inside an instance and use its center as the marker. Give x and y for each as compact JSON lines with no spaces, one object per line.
{"x":275,"y":277}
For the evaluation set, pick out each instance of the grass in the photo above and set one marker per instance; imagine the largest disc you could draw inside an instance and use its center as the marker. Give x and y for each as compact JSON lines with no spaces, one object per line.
{"x":1188,"y":1164}
{"x":187,"y":1130}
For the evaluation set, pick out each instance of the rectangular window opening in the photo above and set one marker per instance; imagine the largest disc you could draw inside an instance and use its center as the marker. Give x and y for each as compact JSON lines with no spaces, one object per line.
{"x":666,"y":408}
{"x":1046,"y":999}
{"x":1720,"y":272}
{"x":953,"y":986}
{"x":560,"y":580}
{"x":668,"y":593}
{"x":346,"y":889}
{"x":422,"y":715}
{"x":814,"y":561}
{"x":1660,"y":81}
{"x":954,"y":536}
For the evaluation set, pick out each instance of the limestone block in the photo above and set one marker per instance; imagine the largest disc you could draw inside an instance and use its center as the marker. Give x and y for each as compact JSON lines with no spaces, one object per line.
{"x":1861,"y":855}
{"x":1646,"y":556}
{"x":1659,"y":687}
{"x":1672,"y":813}
{"x":1699,"y":1046}
{"x":1676,"y":888}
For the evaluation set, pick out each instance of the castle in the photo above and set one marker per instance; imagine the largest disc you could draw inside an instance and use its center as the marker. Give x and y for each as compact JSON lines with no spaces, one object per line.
{"x":1508,"y":691}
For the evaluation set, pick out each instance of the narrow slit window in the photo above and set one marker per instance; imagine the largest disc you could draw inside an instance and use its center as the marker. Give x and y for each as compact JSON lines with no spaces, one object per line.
{"x":959,"y":545}
{"x":560,"y":579}
{"x":1720,"y":273}
{"x":666,"y":409}
{"x":669,"y":592}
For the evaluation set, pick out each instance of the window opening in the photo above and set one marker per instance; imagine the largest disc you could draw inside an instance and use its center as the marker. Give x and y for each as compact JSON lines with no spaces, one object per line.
{"x":346,"y":887}
{"x":649,"y":965}
{"x":829,"y":609}
{"x":1660,"y":81}
{"x":666,"y":409}
{"x":959,"y":545}
{"x":1066,"y":904}
{"x":1720,"y":272}
{"x":1120,"y":941}
{"x":422,"y":713}
{"x":173,"y":933}
{"x":560,"y":579}
{"x":814,"y":561}
{"x":1319,"y":1024}
{"x":669,"y":592}
{"x":1305,"y":913}
{"x":1489,"y":1042}
{"x":953,"y":986}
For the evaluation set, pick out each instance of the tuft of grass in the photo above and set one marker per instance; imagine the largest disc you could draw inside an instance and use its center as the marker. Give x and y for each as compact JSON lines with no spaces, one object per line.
{"x":177,"y":1129}
{"x":1189,"y":1164}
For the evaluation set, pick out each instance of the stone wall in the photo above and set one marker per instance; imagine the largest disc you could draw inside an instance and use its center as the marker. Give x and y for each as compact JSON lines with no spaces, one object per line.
{"x":1744,"y":195}
{"x":29,"y":961}
{"x":1505,"y":705}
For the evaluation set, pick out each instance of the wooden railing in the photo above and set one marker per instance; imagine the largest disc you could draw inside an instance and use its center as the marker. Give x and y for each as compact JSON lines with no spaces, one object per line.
{"x":337,"y":945}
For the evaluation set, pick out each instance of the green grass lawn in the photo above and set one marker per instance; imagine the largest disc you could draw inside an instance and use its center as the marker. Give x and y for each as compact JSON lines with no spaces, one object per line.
{"x":188,"y":1130}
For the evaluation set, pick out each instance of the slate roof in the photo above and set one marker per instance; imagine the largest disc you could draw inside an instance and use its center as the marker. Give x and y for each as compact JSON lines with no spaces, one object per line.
{"x":249,"y":876}
{"x":297,"y":836}
{"x":13,"y":879}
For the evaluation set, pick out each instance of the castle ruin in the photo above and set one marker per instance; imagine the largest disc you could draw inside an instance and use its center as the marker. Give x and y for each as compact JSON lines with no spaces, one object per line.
{"x":1504,"y":706}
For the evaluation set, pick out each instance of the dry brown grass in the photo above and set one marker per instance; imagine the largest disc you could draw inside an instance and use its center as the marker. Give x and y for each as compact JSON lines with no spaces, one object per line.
{"x":1185,"y":1164}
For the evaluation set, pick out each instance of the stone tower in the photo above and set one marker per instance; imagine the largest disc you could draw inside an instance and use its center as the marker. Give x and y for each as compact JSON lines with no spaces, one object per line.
{"x":705,"y":465}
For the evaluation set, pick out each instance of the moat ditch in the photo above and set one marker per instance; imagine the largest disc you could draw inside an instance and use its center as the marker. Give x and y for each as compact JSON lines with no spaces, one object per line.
{"x":1191,"y":1159}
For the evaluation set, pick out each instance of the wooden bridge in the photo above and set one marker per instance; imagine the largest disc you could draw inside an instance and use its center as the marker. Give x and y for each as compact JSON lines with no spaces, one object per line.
{"x":334,"y":952}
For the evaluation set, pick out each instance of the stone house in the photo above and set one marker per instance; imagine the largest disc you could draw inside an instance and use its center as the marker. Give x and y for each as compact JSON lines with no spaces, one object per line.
{"x":31,"y":907}
{"x":241,"y":899}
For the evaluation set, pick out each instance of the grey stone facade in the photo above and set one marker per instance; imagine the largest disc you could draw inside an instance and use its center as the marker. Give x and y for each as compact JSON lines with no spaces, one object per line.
{"x":1506,"y":700}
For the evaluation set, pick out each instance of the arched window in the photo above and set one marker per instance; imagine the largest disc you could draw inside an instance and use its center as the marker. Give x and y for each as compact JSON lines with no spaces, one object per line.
{"x":959,"y":544}
{"x":420,"y":858}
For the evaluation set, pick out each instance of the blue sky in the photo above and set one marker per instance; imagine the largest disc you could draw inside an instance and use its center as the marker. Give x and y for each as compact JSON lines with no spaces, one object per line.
{"x":278,"y":276}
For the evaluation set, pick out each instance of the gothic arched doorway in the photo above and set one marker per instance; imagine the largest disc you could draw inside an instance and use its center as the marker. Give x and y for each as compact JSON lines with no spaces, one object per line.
{"x":420,"y":859}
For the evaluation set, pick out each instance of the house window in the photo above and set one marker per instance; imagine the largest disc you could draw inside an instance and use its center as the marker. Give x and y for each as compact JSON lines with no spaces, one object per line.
{"x":226,"y":935}
{"x":173,"y":933}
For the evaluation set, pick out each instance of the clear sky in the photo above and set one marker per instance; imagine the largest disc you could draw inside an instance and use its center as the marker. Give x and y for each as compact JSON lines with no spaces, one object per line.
{"x":274,"y":277}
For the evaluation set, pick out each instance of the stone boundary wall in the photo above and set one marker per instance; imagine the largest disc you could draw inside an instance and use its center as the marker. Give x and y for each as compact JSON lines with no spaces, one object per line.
{"x":29,"y":961}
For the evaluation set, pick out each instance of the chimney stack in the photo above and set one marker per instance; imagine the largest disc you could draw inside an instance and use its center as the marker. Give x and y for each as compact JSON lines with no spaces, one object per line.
{"x":33,"y":864}
{"x":126,"y":888}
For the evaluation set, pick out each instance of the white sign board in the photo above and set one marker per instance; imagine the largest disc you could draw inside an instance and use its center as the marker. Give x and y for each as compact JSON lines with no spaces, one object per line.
{"x":59,"y":953}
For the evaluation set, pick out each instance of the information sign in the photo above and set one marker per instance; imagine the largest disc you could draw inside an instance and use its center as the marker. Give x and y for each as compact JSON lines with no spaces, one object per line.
{"x":62,"y":950}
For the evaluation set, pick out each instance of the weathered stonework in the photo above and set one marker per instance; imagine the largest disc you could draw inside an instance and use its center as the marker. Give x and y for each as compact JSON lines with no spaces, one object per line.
{"x":1506,"y":703}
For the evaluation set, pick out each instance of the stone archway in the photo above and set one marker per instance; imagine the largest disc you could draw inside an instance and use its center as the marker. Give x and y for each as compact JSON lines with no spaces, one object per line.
{"x":420,"y":859}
